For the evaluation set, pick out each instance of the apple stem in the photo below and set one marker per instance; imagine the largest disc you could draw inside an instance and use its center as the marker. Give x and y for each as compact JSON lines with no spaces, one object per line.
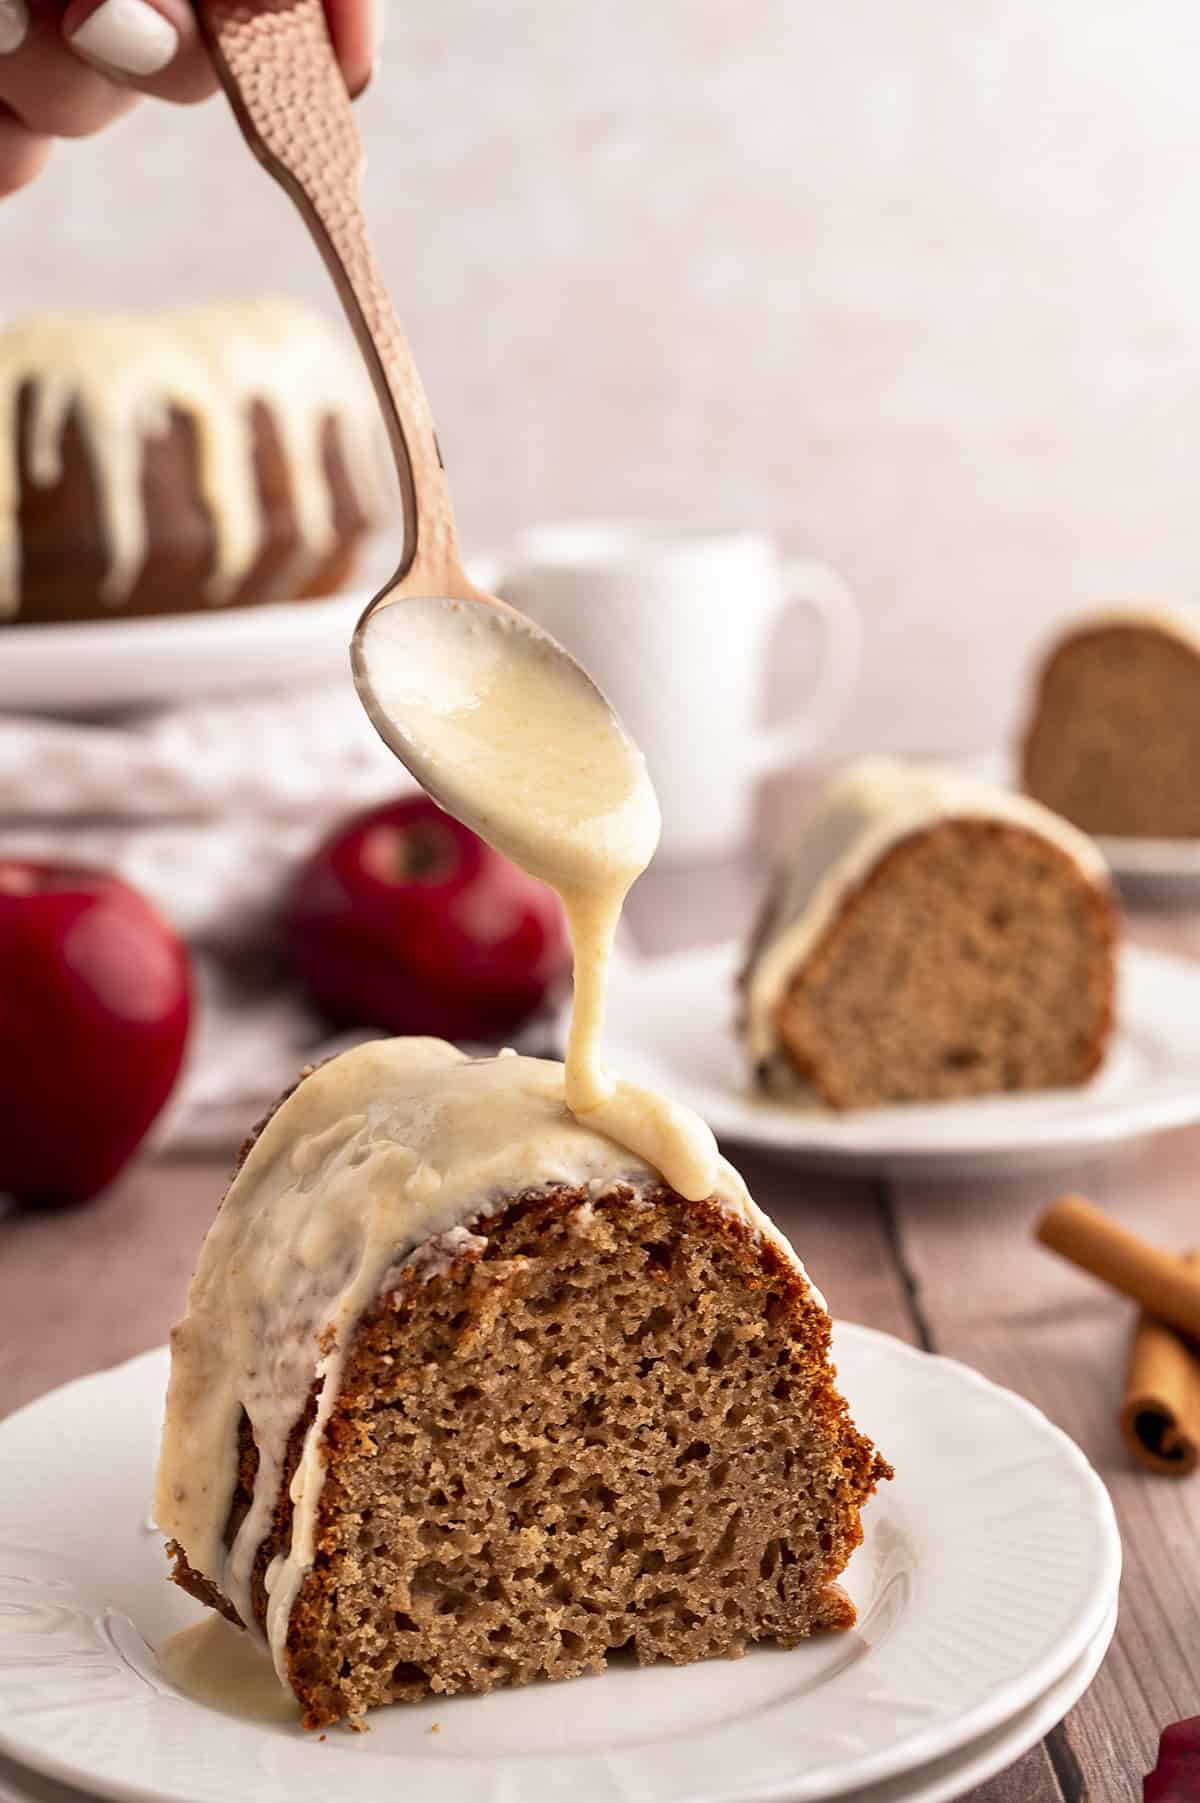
{"x":422,"y":852}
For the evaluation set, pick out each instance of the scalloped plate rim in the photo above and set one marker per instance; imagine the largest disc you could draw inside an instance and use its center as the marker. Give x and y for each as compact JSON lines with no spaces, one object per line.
{"x":941,"y":1781}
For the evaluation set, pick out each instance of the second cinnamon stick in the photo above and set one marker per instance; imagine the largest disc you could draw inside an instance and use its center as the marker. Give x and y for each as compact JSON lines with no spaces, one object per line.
{"x":1160,"y":1281}
{"x":1160,"y":1416}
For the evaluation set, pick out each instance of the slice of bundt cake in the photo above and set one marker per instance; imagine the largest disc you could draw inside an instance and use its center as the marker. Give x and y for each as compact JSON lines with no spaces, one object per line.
{"x":1113,"y":740}
{"x":465,"y":1396}
{"x":930,"y":937}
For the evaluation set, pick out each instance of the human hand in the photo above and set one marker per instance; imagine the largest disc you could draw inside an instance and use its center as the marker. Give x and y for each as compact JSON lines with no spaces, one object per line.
{"x":69,"y":69}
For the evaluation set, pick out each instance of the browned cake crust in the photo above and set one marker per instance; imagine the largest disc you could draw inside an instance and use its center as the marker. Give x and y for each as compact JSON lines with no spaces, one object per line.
{"x":1113,"y":741}
{"x":612,"y":1426}
{"x":974,"y":958}
{"x":64,"y":556}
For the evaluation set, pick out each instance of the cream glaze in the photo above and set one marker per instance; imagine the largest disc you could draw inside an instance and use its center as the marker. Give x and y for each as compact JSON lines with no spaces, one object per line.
{"x":865,"y":811}
{"x":374,"y":1156}
{"x":122,"y":375}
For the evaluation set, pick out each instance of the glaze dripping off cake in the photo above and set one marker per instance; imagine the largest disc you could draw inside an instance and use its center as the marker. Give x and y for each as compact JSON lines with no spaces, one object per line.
{"x":1113,"y":740}
{"x":465,"y":1396}
{"x":211,"y":457}
{"x":929,"y":937}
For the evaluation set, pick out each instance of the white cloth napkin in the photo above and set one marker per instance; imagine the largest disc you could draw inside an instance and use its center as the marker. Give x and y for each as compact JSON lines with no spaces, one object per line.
{"x":205,"y":807}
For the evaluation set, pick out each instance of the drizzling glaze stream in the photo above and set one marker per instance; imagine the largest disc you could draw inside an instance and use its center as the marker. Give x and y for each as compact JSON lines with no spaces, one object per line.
{"x":395,"y":1148}
{"x":518,"y":743}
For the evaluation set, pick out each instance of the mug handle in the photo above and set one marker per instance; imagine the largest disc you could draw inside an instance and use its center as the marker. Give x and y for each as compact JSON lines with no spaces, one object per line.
{"x":806,"y":583}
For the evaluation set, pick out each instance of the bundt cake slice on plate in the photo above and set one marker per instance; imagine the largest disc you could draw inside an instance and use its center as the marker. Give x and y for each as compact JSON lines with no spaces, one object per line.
{"x":930,"y":937}
{"x":1113,"y":740}
{"x":465,"y":1396}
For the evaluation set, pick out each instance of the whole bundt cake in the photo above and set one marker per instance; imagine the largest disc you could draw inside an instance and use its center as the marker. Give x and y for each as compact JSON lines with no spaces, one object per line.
{"x":214,"y":457}
{"x":466,"y":1396}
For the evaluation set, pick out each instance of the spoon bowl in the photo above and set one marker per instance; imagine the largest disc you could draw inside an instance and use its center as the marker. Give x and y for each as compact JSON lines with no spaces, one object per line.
{"x":506,"y":731}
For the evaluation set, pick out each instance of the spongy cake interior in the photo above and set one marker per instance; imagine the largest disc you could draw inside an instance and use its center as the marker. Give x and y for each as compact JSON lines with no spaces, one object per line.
{"x":609,"y":1424}
{"x":973,"y":961}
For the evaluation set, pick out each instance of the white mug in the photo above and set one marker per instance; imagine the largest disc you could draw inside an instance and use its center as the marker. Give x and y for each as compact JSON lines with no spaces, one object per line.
{"x":676,"y":628}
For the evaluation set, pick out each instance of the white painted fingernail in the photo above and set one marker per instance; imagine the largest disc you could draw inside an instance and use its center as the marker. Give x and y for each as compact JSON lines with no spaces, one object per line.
{"x":377,"y":14}
{"x":128,"y":36}
{"x":376,"y":31}
{"x":14,"y":25}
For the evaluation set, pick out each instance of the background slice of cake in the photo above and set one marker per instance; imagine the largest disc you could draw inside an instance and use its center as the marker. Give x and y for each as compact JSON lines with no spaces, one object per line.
{"x":930,"y":937}
{"x":214,"y":456}
{"x":465,"y":1396}
{"x":1113,"y":741}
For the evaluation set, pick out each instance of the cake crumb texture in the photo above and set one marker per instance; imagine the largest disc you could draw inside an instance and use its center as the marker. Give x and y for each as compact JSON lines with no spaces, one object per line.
{"x":975,"y":958}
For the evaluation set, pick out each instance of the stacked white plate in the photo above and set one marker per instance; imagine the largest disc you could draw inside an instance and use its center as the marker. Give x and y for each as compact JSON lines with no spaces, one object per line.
{"x":986,"y":1591}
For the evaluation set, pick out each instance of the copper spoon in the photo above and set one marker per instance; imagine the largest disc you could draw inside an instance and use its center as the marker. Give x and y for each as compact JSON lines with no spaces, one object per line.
{"x":277,"y":66}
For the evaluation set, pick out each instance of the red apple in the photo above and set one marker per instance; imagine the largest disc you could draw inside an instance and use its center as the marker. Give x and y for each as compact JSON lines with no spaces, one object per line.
{"x":405,"y":920}
{"x":95,"y":1000}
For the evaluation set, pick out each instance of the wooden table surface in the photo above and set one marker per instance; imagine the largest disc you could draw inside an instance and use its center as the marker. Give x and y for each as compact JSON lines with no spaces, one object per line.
{"x":950,"y":1268}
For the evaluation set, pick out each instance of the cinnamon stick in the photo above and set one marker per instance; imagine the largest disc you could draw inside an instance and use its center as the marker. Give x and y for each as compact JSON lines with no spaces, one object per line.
{"x":1160,"y":1416}
{"x":1161,"y":1281}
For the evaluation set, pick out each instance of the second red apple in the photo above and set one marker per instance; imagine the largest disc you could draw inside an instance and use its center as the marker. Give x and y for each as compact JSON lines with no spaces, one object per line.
{"x":405,"y":920}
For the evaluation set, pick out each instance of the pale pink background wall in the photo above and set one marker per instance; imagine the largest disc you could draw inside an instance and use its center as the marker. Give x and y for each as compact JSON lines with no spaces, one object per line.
{"x":916,"y":282}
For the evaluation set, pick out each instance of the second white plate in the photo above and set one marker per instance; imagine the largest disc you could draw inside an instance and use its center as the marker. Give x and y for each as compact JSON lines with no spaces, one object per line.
{"x":671,"y":1026}
{"x":945,"y":1780}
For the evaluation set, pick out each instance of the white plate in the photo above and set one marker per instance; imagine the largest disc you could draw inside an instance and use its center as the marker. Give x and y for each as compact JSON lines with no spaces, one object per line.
{"x":1155,"y":870}
{"x":105,"y":664}
{"x":940,"y":1781}
{"x":671,"y":1026}
{"x":990,"y":1566}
